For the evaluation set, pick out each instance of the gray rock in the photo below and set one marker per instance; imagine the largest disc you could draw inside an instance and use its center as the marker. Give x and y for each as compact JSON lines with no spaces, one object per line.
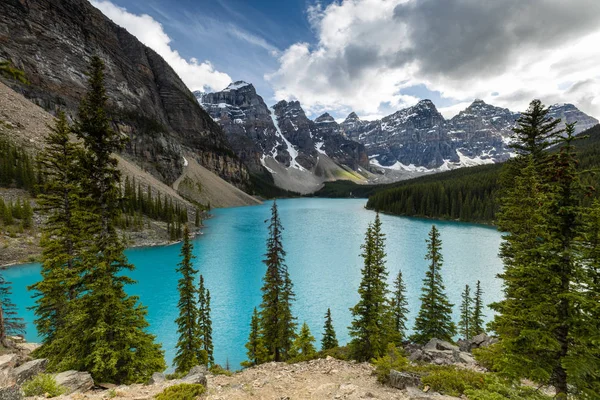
{"x":157,"y":377}
{"x":7,"y":378}
{"x":196,"y":375}
{"x":75,"y":381}
{"x":8,"y":361}
{"x":11,"y":393}
{"x":463,"y":357}
{"x":481,"y":340}
{"x":29,"y":370}
{"x":402,"y":380}
{"x":437,"y":344}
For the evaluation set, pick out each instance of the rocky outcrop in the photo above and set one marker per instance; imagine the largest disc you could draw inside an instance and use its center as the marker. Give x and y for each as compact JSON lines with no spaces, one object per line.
{"x":439,"y":352}
{"x":29,"y":370}
{"x":157,"y":377}
{"x":402,"y":380}
{"x":11,"y":393}
{"x":53,"y":40}
{"x":196,"y":375}
{"x":476,"y":342}
{"x":75,"y":381}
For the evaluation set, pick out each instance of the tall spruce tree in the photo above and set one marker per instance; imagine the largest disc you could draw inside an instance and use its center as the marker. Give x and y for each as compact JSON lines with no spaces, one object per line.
{"x":276,"y":318}
{"x":465,"y":325}
{"x":399,"y":305}
{"x":477,"y":325}
{"x":543,"y":321}
{"x":329,"y":340}
{"x":65,"y":234}
{"x":10,"y":323}
{"x":106,"y":331}
{"x":189,"y":343}
{"x":202,"y":354}
{"x":435,"y":315}
{"x":372,"y":324}
{"x":207,"y":331}
{"x":256,"y":351}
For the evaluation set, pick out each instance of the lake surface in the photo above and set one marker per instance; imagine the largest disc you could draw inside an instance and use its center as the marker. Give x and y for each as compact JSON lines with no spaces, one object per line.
{"x":322,"y":239}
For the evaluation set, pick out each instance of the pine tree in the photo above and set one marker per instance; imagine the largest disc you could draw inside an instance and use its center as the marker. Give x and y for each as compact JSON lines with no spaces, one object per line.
{"x":399,"y":306}
{"x":10,"y":323}
{"x":207,"y":334}
{"x":256,"y":349}
{"x":65,"y":234}
{"x":304,"y":347}
{"x":372,"y":324}
{"x":544,"y":320}
{"x":202,"y":355}
{"x":465,"y":327}
{"x":189,"y":343}
{"x":477,"y":326}
{"x":329,"y":340}
{"x":435,"y":316}
{"x":276,"y":319}
{"x":106,"y":331}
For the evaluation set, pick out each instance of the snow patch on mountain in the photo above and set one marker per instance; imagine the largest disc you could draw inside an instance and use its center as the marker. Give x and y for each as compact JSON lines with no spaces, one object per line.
{"x":293,"y":152}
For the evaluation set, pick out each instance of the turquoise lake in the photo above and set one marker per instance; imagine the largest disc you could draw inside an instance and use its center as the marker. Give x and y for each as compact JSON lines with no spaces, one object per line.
{"x":322,"y":239}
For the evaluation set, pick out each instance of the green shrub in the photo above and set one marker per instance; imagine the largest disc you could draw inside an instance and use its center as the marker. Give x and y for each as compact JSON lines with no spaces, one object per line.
{"x":183,"y":391}
{"x":218,"y":370}
{"x":393,"y":359}
{"x":454,"y":381}
{"x":498,"y":389}
{"x":42,"y":385}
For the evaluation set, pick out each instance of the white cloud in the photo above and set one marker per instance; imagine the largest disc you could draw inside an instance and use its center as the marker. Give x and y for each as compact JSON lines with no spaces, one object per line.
{"x":506,"y":53}
{"x":195,"y":74}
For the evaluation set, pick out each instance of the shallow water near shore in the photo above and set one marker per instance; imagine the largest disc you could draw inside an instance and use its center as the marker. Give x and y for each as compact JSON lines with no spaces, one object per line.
{"x":322,"y":238}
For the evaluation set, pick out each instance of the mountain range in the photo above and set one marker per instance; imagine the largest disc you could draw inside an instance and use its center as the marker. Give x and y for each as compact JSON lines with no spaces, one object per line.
{"x":233,"y":136}
{"x":301,"y":153}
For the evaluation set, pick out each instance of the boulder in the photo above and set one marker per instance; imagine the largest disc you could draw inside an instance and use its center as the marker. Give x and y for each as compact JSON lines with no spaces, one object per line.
{"x":75,"y":381}
{"x":11,"y":393}
{"x":464,"y":345}
{"x":157,"y":377}
{"x":463,"y":357}
{"x":8,"y":361}
{"x":196,"y":375}
{"x":29,"y":370}
{"x":402,"y":380}
{"x":437,"y":344}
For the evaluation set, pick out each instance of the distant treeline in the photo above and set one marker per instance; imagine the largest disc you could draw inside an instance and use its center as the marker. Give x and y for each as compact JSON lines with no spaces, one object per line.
{"x":17,"y":168}
{"x":468,"y":195}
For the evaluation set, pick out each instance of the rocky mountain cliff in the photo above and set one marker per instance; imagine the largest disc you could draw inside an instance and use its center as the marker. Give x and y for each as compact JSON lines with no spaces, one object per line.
{"x":53,"y":40}
{"x":282,"y":140}
{"x":420,"y":139}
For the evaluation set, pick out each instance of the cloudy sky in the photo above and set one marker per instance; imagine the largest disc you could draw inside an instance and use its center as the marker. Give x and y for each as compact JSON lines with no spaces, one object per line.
{"x":377,"y":56}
